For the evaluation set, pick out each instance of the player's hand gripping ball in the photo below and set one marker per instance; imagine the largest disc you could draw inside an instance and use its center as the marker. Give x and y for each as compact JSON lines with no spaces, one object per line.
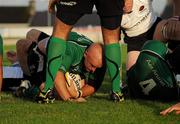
{"x":74,"y":84}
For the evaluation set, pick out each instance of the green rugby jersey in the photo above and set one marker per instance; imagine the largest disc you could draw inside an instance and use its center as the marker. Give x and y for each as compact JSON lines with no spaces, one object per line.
{"x":151,"y":76}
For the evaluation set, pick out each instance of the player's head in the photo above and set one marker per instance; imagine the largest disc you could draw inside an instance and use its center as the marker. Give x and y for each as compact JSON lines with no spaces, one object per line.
{"x":93,"y":57}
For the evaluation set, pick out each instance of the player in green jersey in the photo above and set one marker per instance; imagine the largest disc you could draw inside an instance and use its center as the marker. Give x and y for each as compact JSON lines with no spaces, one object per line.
{"x":153,"y":76}
{"x":83,"y":57}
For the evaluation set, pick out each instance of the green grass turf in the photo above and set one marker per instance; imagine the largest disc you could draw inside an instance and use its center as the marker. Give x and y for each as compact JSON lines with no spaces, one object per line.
{"x":97,"y":110}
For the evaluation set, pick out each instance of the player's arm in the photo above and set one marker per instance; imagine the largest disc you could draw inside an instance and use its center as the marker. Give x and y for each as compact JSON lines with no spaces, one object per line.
{"x":63,"y":81}
{"x":60,"y":81}
{"x":88,"y":90}
{"x":77,"y":86}
{"x":68,"y":86}
{"x":94,"y":82}
{"x":60,"y":86}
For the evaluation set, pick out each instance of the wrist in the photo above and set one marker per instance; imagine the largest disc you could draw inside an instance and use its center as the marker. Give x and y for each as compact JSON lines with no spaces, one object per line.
{"x":79,"y":93}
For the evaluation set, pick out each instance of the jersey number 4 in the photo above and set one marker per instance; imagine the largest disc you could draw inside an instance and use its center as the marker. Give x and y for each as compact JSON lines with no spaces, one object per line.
{"x":147,"y":86}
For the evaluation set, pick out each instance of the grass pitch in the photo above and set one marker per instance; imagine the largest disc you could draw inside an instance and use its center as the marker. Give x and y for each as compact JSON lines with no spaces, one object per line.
{"x":97,"y":110}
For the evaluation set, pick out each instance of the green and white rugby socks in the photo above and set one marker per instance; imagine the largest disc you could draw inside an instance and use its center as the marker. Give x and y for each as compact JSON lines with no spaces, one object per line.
{"x":113,"y":60}
{"x":55,"y":53}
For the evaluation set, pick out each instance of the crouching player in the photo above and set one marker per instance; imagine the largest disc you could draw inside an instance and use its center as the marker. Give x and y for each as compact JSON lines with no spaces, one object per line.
{"x":80,"y":74}
{"x":153,"y":76}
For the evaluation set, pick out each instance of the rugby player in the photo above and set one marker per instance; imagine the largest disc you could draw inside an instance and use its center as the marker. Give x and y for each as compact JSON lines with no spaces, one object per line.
{"x":83,"y":58}
{"x":153,"y":76}
{"x":68,"y":13}
{"x":142,"y":24}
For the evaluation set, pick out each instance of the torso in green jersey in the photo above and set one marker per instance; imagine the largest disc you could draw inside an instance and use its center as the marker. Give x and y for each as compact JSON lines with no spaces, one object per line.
{"x":73,"y":60}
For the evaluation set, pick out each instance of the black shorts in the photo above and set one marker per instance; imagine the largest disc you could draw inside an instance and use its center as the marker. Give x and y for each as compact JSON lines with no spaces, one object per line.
{"x":70,"y":11}
{"x":136,"y":43}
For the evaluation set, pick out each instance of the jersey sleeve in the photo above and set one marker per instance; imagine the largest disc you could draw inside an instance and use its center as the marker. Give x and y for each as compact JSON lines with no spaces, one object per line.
{"x":79,"y":39}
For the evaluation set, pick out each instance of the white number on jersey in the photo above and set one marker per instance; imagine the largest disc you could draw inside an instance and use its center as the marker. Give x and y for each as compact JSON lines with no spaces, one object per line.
{"x":147,"y":86}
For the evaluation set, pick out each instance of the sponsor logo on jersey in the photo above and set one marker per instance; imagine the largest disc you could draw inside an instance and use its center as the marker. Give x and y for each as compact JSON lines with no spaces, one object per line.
{"x":151,"y":65}
{"x":141,"y":8}
{"x":70,"y":3}
{"x":142,"y":20}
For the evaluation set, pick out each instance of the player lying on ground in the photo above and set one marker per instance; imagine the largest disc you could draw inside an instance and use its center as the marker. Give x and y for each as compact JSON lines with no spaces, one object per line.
{"x":83,"y":57}
{"x":153,"y":76}
{"x":13,"y":74}
{"x":142,"y":24}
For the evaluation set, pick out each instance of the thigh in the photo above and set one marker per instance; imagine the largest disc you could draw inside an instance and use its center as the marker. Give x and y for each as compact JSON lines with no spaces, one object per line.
{"x":131,"y":59}
{"x":22,"y":47}
{"x":110,"y":18}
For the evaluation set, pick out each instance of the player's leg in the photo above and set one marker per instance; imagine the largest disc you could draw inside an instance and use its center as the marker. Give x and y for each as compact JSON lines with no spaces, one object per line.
{"x":61,"y":88}
{"x":66,"y":17}
{"x":33,"y":34}
{"x":168,"y":30}
{"x":131,"y":59}
{"x":113,"y":57}
{"x":22,"y":47}
{"x":1,"y":62}
{"x":56,"y":50}
{"x":110,"y":22}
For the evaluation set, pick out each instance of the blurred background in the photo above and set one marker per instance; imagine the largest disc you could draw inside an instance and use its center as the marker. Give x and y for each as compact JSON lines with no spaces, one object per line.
{"x":19,"y":16}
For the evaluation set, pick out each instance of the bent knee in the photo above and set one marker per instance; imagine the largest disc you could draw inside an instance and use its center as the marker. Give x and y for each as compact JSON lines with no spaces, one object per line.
{"x":33,"y":34}
{"x":158,"y":31}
